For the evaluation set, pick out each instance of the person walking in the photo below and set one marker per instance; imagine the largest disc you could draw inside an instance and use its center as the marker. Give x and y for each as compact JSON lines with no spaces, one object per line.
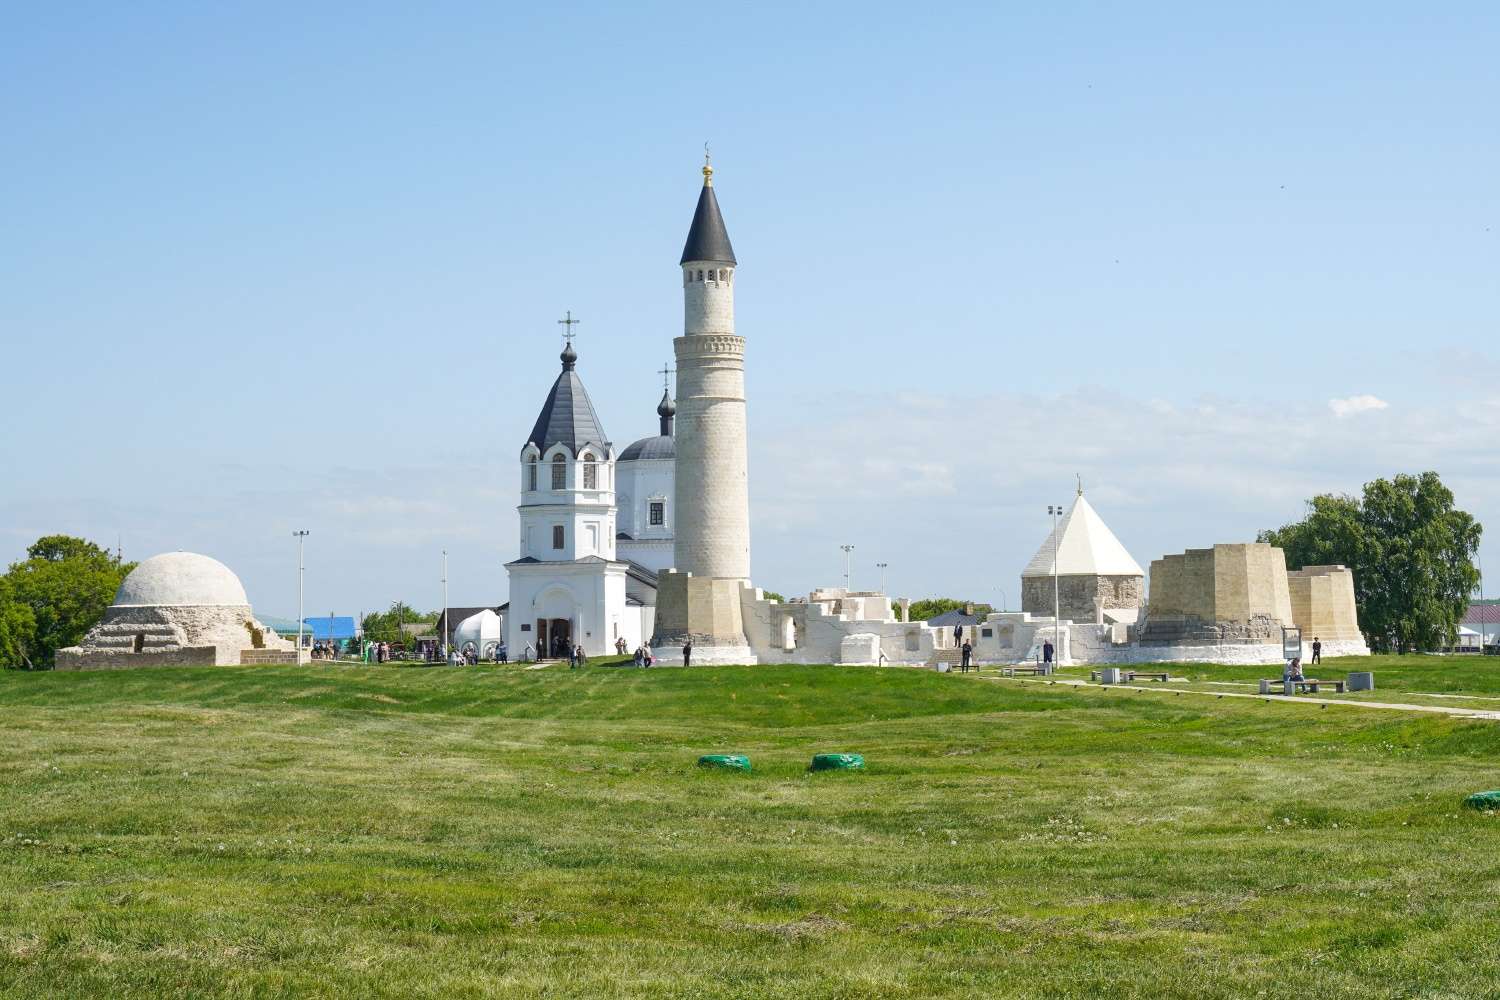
{"x":580,"y":658}
{"x":1047,"y":654}
{"x":650,"y":659}
{"x":640,"y":656}
{"x":687,"y":653}
{"x":968,"y":656}
{"x":526,"y":654}
{"x":1317,"y":650}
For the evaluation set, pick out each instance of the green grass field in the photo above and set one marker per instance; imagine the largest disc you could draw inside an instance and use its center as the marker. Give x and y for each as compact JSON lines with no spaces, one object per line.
{"x":369,"y":832}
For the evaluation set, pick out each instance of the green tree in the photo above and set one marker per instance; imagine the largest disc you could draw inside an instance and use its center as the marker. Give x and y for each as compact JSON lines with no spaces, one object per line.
{"x":385,"y":626}
{"x":772,"y":595}
{"x":17,"y":632}
{"x":931,"y":607}
{"x":50,"y":599}
{"x":1411,"y":551}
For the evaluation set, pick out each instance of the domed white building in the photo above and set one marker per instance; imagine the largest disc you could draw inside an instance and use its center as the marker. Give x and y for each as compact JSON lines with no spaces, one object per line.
{"x":177,"y":609}
{"x":644,"y":483}
{"x":482,"y":632}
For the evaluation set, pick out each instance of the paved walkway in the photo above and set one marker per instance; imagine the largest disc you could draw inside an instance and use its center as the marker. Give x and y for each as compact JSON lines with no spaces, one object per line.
{"x":1463,"y":713}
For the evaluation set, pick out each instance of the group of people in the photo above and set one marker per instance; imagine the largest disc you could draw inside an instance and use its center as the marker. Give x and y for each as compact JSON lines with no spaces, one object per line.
{"x":324,"y":649}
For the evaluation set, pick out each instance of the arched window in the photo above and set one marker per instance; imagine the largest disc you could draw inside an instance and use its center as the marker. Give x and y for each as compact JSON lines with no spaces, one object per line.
{"x":700,"y":274}
{"x":531,"y":475}
{"x":559,"y":472}
{"x":590,"y":472}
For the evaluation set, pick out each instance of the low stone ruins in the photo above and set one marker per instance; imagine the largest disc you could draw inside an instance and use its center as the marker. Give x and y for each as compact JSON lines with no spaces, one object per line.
{"x":178,"y":609}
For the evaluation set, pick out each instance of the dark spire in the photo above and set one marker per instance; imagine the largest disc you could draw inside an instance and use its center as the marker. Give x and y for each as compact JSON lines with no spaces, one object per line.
{"x":707,"y":238}
{"x":568,"y":415}
{"x":666,"y":409}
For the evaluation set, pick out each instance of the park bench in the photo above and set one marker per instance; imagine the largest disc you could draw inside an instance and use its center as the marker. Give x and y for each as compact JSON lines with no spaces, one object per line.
{"x":1033,"y":671}
{"x":1309,"y":685}
{"x":1130,"y":675}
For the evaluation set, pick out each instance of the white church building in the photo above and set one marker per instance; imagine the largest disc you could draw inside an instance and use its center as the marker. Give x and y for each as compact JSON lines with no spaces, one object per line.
{"x":594,"y":529}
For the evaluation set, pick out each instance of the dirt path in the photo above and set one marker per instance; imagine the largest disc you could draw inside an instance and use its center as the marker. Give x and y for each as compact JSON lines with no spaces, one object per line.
{"x":1464,"y":713}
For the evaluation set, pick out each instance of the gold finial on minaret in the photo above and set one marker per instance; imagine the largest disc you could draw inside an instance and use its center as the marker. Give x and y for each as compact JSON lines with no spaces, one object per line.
{"x":708,"y":168}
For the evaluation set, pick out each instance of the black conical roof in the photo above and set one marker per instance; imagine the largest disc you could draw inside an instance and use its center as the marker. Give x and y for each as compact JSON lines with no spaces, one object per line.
{"x":708,"y":239}
{"x":568,"y":416}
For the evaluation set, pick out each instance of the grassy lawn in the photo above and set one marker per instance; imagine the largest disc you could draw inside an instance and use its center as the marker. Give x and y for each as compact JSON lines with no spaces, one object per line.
{"x":381,"y":832}
{"x":1467,"y":681}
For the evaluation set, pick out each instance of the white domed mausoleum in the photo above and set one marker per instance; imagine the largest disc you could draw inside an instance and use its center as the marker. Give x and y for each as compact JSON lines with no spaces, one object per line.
{"x":177,"y":609}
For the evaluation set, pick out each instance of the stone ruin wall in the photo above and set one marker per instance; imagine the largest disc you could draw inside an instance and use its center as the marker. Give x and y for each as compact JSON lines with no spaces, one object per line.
{"x":1323,"y":604}
{"x":176,"y":635}
{"x":1234,"y":593}
{"x":1081,"y":597}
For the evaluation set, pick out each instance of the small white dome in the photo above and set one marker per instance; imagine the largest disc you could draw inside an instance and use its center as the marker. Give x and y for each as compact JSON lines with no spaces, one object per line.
{"x":181,"y":578}
{"x":482,"y":629}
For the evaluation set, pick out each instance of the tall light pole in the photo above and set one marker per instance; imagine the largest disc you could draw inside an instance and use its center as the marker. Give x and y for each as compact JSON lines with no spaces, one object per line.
{"x":847,"y":549}
{"x":1056,"y":511}
{"x":300,"y":536}
{"x":881,"y":567}
{"x":1003,"y":601}
{"x":444,"y":649}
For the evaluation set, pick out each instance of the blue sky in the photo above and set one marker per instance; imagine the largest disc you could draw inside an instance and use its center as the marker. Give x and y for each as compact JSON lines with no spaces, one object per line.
{"x":276,"y":267}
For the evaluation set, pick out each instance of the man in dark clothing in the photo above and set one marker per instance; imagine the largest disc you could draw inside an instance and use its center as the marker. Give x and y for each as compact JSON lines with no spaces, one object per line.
{"x":1317,"y":650}
{"x":1047,"y":653}
{"x":958,"y":633}
{"x":968,"y":652}
{"x":687,"y":653}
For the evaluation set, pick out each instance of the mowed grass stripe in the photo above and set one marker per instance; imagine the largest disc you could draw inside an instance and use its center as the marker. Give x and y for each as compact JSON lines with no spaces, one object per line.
{"x":411,"y":832}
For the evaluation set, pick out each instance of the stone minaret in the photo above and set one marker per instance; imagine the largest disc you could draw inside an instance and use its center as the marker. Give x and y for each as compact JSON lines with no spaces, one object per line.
{"x":713,"y":506}
{"x":701,"y":597}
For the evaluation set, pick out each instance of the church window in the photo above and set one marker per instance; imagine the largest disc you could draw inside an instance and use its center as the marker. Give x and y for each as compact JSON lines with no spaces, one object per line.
{"x":590,"y":473}
{"x":658,"y":512}
{"x":531,"y":475}
{"x":557,"y":536}
{"x":559,"y":472}
{"x":700,"y":275}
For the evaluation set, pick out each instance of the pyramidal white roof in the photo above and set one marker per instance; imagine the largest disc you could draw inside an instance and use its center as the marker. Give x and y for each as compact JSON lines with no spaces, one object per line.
{"x":1085,"y":547}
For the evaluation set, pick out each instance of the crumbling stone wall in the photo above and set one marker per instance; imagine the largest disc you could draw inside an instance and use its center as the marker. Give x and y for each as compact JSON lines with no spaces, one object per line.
{"x":1081,"y":597}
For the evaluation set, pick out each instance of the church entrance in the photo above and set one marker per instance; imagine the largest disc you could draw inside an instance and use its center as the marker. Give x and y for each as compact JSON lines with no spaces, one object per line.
{"x":554,"y":638}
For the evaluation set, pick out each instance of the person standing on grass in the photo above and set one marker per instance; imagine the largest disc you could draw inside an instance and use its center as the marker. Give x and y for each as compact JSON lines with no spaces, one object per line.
{"x":1047,"y":653}
{"x":1317,"y":650}
{"x":687,"y":653}
{"x":968,"y":655}
{"x":640,"y":656}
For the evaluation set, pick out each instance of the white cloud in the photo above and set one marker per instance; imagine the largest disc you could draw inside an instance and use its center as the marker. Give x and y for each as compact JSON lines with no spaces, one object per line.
{"x":1350,"y":405}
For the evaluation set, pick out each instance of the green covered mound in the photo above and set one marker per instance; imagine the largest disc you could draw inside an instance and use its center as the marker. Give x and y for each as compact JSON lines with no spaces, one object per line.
{"x":1488,"y":801}
{"x":837,"y":762}
{"x":725,"y":761}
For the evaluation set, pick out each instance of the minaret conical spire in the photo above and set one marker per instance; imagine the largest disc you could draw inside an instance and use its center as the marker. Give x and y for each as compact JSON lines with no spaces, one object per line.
{"x":707,"y":239}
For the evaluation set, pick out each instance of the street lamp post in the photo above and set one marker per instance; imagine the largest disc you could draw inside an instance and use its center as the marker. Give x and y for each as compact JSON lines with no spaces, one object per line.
{"x":847,"y":549}
{"x":881,"y":567}
{"x":1056,"y":511}
{"x":1004,"y":604}
{"x":444,"y":636}
{"x":300,"y":536}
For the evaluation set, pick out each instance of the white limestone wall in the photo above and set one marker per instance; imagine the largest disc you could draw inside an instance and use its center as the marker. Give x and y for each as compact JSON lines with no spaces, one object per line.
{"x":638,"y":484}
{"x":587,"y":516}
{"x":590,"y":595}
{"x":814,"y":633}
{"x":712,"y":536}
